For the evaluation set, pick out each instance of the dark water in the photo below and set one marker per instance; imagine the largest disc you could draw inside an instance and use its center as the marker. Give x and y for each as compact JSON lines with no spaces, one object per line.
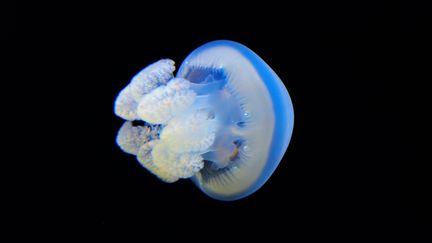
{"x":353,"y":73}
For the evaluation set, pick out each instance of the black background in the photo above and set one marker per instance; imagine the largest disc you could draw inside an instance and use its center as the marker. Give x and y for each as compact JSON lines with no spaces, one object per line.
{"x":354,"y":73}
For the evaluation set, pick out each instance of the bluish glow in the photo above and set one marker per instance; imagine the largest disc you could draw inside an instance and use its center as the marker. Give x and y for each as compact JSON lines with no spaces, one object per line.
{"x":225,"y":120}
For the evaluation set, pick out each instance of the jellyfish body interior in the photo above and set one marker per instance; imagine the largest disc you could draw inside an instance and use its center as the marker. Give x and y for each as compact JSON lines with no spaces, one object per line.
{"x":225,"y":120}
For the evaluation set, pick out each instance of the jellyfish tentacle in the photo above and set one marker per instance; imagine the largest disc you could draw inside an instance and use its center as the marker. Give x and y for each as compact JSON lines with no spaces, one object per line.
{"x":172,"y":166}
{"x":130,"y":138}
{"x":148,"y":79}
{"x":125,"y":105}
{"x":146,"y":159}
{"x":165,"y":102}
{"x":196,"y":131}
{"x":151,"y":77}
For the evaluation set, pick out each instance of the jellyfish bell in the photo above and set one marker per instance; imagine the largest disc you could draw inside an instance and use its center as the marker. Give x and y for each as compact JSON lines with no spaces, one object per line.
{"x":226,"y":120}
{"x":256,"y":113}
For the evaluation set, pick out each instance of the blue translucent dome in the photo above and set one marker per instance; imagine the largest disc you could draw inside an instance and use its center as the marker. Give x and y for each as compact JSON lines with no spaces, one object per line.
{"x":225,"y":120}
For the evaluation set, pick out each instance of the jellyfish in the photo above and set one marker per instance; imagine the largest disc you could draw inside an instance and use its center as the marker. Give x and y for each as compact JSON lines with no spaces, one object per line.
{"x":224,"y":120}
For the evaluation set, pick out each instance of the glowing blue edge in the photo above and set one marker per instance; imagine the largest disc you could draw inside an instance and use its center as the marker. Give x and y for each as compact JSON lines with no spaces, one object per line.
{"x":284,"y":121}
